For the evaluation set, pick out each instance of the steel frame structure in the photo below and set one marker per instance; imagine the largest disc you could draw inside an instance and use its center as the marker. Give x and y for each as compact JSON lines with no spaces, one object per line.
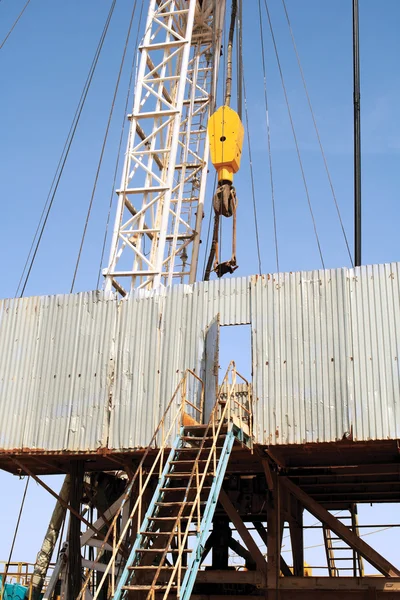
{"x":157,"y":227}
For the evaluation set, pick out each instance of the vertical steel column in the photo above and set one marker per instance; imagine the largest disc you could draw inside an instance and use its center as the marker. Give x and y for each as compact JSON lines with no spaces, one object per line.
{"x":357,"y":136}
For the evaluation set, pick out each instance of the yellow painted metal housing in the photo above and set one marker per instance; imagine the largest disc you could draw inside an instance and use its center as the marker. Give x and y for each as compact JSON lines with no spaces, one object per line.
{"x":225,"y":132}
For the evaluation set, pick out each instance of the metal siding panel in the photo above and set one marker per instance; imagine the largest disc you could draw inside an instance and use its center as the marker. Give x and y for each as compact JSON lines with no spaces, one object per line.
{"x":230,"y":297}
{"x":325,"y":350}
{"x":17,"y":341}
{"x":391,"y":304}
{"x":210,"y":375}
{"x":375,"y":331}
{"x":135,"y":401}
{"x":55,"y":372}
{"x":175,"y":333}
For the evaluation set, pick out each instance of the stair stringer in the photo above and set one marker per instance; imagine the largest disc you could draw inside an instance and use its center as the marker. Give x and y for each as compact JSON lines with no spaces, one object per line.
{"x":150,"y":510}
{"x":195,"y":559}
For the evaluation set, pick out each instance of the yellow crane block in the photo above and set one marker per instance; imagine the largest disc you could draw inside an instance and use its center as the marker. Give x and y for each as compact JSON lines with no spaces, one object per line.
{"x":225,"y":132}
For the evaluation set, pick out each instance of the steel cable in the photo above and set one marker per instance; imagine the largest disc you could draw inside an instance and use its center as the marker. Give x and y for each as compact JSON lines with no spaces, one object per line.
{"x":119,"y":148}
{"x":251,"y":175}
{"x":209,"y":228}
{"x":317,"y":132}
{"x":111,"y":112}
{"x":268,"y":138}
{"x":14,"y":25}
{"x":62,"y":161}
{"x":294,"y":135}
{"x":14,"y":538}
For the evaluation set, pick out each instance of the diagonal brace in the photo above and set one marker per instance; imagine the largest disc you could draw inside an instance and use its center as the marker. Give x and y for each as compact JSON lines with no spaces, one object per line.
{"x":243,"y":532}
{"x":356,"y":543}
{"x":263,"y":535}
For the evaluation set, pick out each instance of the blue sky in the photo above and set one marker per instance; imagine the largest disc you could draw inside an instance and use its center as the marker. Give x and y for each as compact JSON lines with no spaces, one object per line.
{"x":43,"y":66}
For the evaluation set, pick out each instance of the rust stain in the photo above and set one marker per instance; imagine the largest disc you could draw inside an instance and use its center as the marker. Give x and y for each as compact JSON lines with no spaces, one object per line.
{"x":41,"y":451}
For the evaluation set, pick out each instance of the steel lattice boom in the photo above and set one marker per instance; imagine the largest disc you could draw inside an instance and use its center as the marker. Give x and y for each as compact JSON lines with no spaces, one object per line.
{"x":160,"y":202}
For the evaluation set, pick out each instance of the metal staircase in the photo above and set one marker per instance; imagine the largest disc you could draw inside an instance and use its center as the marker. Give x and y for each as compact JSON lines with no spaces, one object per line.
{"x":167,"y":553}
{"x":340,"y":557}
{"x":190,"y":463}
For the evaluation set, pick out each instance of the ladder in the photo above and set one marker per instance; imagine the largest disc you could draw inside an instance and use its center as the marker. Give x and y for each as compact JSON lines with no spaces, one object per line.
{"x":337,"y":551}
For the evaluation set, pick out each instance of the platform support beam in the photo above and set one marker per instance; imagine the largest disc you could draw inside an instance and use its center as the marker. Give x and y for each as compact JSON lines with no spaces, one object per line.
{"x":296,"y":536}
{"x":242,"y":531}
{"x":274,"y":534}
{"x":348,"y":536}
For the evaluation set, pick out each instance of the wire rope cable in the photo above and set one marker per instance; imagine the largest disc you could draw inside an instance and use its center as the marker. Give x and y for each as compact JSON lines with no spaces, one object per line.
{"x":317,"y":132}
{"x":239,"y":58}
{"x":294,"y":135}
{"x":100,"y":162}
{"x":124,"y":121}
{"x":224,"y":95}
{"x":51,"y":196}
{"x":228,"y":89}
{"x":251,"y":175}
{"x":62,"y":161}
{"x":271,"y":178}
{"x":209,"y":229}
{"x":14,"y":24}
{"x":14,"y":537}
{"x":362,"y":535}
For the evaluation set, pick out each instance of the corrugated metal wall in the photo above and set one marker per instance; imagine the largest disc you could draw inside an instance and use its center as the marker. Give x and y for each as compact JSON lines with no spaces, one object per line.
{"x":83,"y":372}
{"x":302,"y":375}
{"x":375,"y":337}
{"x":325,"y":355}
{"x":54,"y":370}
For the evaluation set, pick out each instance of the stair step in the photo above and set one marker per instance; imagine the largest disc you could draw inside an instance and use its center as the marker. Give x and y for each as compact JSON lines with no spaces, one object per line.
{"x":193,"y":438}
{"x":199,"y":426}
{"x":168,"y":518}
{"x":184,"y":489}
{"x":151,"y":533}
{"x":186,"y":449}
{"x":174,"y":475}
{"x":185,"y":461}
{"x":154,"y":568}
{"x":178,"y":503}
{"x":161,"y":550}
{"x":146,"y":588}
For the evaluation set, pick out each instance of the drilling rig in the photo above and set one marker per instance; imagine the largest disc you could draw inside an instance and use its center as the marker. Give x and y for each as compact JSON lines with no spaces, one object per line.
{"x":179,"y":485}
{"x":163,"y":185}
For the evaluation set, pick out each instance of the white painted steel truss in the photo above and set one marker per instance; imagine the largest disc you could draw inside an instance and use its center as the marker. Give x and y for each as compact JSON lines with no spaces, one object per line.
{"x":157,"y":228}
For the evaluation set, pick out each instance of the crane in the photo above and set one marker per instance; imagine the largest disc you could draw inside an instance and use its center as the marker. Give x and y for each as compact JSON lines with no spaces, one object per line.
{"x":160,"y":209}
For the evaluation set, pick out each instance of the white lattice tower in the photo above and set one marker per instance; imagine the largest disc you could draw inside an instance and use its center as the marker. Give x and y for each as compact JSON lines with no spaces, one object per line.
{"x":157,"y":228}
